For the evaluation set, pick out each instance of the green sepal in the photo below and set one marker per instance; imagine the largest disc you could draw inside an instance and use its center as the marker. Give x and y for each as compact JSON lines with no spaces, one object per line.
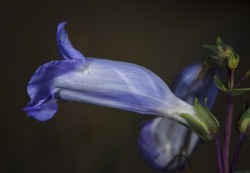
{"x":218,"y":40}
{"x":210,"y":60}
{"x":205,"y":125}
{"x":204,"y":114}
{"x":212,"y":48}
{"x":220,"y":53}
{"x":195,"y":125}
{"x":238,"y":91}
{"x":220,"y":84}
{"x":243,"y":121}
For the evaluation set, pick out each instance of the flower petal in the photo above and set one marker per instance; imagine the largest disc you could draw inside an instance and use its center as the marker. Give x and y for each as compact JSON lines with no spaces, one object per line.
{"x":44,"y":111}
{"x":41,"y":91}
{"x":66,"y":50}
{"x":161,"y":142}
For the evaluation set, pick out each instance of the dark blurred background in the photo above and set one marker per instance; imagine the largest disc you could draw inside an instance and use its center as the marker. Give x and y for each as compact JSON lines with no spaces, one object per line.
{"x":163,"y":36}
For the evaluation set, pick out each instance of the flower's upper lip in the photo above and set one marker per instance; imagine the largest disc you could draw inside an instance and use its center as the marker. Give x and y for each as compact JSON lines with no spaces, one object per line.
{"x":66,"y":49}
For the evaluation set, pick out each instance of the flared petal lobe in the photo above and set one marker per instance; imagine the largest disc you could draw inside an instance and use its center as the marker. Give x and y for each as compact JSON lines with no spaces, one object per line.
{"x":41,"y":86}
{"x":161,"y":140}
{"x":65,"y":48}
{"x":42,"y":91}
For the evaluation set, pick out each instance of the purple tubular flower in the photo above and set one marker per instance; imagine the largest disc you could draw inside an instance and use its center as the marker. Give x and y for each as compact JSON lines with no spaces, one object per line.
{"x":162,"y":141}
{"x":102,"y":82}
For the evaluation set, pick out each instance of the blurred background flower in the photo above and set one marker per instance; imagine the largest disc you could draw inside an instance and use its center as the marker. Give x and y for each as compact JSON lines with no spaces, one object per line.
{"x":159,"y":35}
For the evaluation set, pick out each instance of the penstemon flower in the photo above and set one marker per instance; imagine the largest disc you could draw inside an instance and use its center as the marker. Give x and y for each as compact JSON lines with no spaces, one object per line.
{"x":164,"y":143}
{"x":99,"y":81}
{"x":109,"y":83}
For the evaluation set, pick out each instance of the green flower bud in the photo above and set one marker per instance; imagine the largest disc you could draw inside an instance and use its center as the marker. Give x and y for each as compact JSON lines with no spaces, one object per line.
{"x":243,"y":123}
{"x":247,"y":74}
{"x":218,"y":41}
{"x":206,"y":125}
{"x":220,"y":53}
{"x":233,"y":61}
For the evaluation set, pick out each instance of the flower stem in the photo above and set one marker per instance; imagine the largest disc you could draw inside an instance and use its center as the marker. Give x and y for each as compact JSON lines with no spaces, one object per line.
{"x":228,"y":127}
{"x":237,"y":152}
{"x":219,"y":156}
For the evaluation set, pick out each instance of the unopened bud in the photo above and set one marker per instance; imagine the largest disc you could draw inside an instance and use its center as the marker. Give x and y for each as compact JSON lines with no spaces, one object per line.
{"x":233,"y":61}
{"x":220,"y":53}
{"x":247,"y":73}
{"x":206,"y":125}
{"x":243,"y":123}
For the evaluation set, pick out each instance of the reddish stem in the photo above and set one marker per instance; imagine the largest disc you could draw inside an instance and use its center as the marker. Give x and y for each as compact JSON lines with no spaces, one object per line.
{"x":219,"y":154}
{"x":237,"y":152}
{"x":228,"y":127}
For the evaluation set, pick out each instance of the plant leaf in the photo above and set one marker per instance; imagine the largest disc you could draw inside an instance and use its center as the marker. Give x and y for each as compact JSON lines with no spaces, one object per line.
{"x":212,"y":48}
{"x":220,"y":84}
{"x":239,"y":91}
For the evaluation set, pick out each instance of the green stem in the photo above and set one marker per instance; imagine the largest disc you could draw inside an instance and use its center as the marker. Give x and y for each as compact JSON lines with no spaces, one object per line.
{"x":229,"y":114}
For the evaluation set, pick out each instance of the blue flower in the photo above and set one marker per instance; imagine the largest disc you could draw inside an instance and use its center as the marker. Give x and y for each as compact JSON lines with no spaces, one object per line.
{"x":163,"y":141}
{"x":102,"y":82}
